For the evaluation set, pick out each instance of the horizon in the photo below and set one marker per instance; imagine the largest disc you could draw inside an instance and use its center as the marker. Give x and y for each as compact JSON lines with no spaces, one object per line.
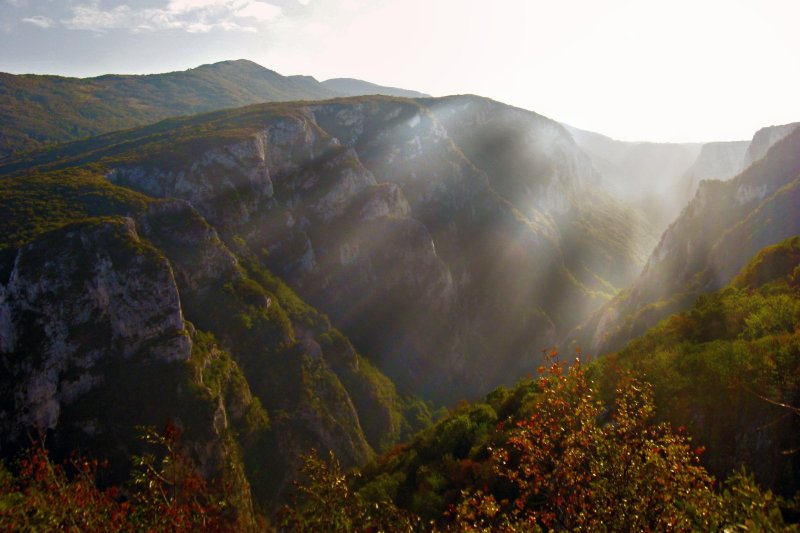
{"x":660,"y":72}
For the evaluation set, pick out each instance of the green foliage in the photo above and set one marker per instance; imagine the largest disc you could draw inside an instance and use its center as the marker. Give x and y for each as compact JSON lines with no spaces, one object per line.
{"x":325,"y":502}
{"x":219,"y":376}
{"x":773,"y":262}
{"x":38,"y":110}
{"x":38,"y":203}
{"x":573,"y":464}
{"x":732,"y":350}
{"x":298,"y":310}
{"x":748,"y":508}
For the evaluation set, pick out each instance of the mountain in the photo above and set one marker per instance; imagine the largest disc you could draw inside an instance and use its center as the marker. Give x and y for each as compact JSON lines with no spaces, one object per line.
{"x":725,"y":224}
{"x":353,"y":87}
{"x":764,"y":139}
{"x":39,"y":110}
{"x":645,"y":175}
{"x":717,"y":160}
{"x":118,"y":310}
{"x":724,"y":160}
{"x":378,"y":216}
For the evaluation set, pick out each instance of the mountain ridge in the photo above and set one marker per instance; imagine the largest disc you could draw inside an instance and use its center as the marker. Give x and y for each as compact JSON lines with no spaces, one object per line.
{"x":38,"y":110}
{"x":356,"y":87}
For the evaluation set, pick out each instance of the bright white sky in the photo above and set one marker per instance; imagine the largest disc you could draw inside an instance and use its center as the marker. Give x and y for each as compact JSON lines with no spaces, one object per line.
{"x":675,"y":70}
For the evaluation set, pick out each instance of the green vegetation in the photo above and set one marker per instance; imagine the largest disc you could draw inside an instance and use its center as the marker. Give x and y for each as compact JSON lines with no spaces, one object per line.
{"x":579,"y":448}
{"x":38,"y":111}
{"x":571,"y":464}
{"x":262,"y":324}
{"x":590,"y":448}
{"x":716,"y":367}
{"x":41,"y":202}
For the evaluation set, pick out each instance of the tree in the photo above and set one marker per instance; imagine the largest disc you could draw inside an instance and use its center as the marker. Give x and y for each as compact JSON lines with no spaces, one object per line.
{"x":167,"y":493}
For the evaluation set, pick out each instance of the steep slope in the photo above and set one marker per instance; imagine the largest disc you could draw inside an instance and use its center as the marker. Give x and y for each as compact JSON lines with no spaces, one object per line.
{"x":354,"y":87}
{"x":94,"y":310}
{"x":717,"y":161}
{"x":533,"y":164}
{"x":716,"y":370}
{"x":764,"y":139}
{"x":724,"y":160}
{"x":643,"y":174}
{"x":39,"y":110}
{"x":91,"y":318}
{"x":451,"y":277}
{"x":736,"y":350}
{"x":717,"y":232}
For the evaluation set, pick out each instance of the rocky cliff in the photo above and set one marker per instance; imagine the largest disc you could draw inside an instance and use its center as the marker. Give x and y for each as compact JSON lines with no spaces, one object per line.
{"x":723,"y":225}
{"x":468,"y":232}
{"x":111,"y":323}
{"x":764,"y":139}
{"x":717,"y":161}
{"x":94,"y":344}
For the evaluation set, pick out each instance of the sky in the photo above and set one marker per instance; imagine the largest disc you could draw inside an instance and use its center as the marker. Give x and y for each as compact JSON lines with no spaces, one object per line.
{"x":666,"y":71}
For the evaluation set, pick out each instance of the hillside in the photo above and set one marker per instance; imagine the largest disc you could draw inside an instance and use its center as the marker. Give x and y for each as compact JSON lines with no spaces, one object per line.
{"x":354,"y":87}
{"x":376,"y":215}
{"x":106,"y":293}
{"x":735,"y":351}
{"x":715,"y":235}
{"x":39,"y":110}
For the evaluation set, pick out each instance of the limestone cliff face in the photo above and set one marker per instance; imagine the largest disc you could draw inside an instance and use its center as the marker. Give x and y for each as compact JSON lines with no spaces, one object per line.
{"x":764,"y":139}
{"x":724,"y":160}
{"x":724,"y":225}
{"x":717,"y":161}
{"x":87,"y":294}
{"x":456,"y":227}
{"x":649,"y":177}
{"x":312,"y":401}
{"x":94,"y":343}
{"x":450,"y":239}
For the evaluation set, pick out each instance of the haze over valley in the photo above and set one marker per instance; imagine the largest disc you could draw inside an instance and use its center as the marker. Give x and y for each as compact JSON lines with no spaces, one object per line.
{"x":269,"y":302}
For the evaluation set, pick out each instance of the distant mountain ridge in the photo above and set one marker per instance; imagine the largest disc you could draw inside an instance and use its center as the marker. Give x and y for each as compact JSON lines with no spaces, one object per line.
{"x":717,"y":160}
{"x":38,"y":110}
{"x":642,"y":174}
{"x":354,"y":87}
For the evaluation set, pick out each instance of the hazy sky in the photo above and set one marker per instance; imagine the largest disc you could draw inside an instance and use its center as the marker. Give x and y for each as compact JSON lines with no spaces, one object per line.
{"x":676,"y":70}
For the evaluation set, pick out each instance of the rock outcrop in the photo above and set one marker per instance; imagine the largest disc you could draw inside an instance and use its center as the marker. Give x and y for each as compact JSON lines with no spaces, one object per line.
{"x":764,"y":139}
{"x":456,"y":227}
{"x":724,"y":225}
{"x":717,"y":161}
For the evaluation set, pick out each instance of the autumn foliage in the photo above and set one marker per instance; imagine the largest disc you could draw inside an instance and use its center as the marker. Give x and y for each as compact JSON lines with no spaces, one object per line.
{"x":574,"y":464}
{"x":166,"y":493}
